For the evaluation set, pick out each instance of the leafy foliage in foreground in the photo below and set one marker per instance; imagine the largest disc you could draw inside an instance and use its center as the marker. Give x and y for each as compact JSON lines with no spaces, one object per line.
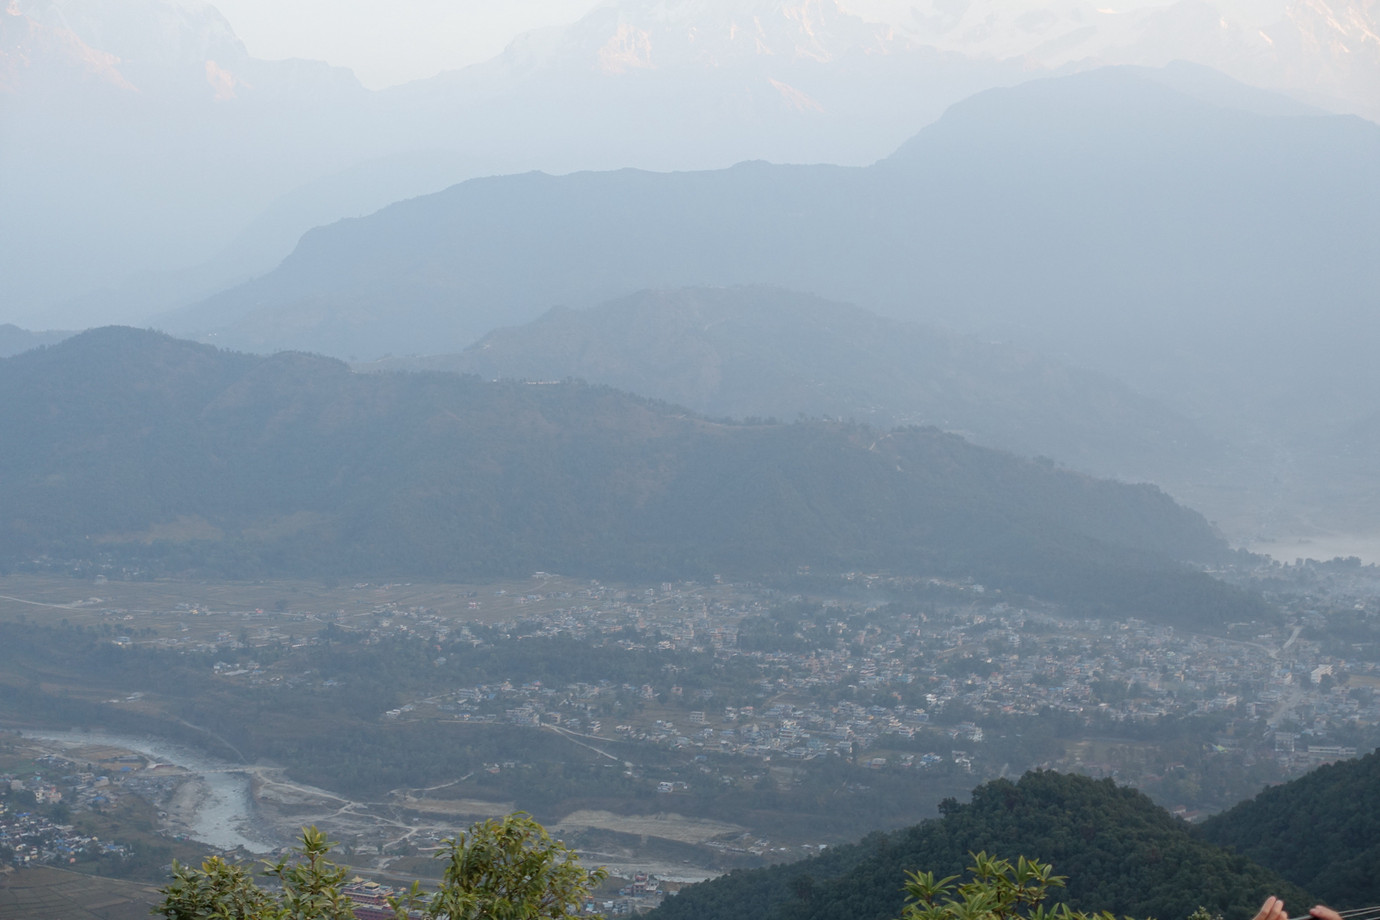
{"x":168,"y":456}
{"x":497,"y":870}
{"x":1124,"y":854}
{"x":997,"y":890}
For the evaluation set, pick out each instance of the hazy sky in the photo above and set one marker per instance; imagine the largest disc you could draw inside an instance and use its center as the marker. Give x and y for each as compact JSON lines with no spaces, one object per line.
{"x":389,"y":43}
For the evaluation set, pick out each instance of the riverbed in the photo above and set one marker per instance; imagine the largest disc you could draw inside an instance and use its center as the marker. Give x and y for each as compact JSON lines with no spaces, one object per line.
{"x":216,"y":803}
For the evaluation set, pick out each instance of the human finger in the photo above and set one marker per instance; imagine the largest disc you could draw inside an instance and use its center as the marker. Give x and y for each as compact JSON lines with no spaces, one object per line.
{"x":1273,"y":909}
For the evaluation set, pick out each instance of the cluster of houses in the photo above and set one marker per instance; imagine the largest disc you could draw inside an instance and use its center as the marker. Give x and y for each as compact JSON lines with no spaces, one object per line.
{"x":29,"y":838}
{"x":865,"y":675}
{"x":980,"y":659}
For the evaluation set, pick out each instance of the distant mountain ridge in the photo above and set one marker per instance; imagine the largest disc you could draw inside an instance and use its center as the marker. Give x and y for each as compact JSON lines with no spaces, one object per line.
{"x":761,"y":352}
{"x":1267,"y":43}
{"x":164,"y":113}
{"x":1213,"y":258}
{"x":1327,"y":52}
{"x":14,"y":340}
{"x":172,"y":139}
{"x":1131,"y":209}
{"x":177,"y":457}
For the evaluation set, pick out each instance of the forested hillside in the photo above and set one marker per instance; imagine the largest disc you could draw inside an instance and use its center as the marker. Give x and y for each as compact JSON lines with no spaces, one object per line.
{"x":1321,"y":831}
{"x":141,"y":450}
{"x":1120,"y":852}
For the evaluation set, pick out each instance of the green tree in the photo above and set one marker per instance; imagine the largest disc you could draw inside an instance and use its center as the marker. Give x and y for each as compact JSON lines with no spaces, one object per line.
{"x":997,"y":891}
{"x":216,"y":891}
{"x":510,"y":870}
{"x":311,"y":883}
{"x":497,"y":870}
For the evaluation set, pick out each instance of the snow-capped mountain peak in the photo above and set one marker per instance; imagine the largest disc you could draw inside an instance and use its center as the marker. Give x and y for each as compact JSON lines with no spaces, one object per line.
{"x":631,"y":35}
{"x":157,"y":33}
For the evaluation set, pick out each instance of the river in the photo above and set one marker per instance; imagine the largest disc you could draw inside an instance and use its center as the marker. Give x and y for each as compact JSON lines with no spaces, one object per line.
{"x":223,"y":814}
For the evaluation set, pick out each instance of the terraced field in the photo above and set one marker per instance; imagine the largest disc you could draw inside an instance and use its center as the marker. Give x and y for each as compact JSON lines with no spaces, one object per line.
{"x":46,"y":893}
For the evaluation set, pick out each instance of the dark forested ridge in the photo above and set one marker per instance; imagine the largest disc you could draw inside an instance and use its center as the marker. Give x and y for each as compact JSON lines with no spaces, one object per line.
{"x":173,"y":456}
{"x":1120,"y":852}
{"x":1321,"y":831}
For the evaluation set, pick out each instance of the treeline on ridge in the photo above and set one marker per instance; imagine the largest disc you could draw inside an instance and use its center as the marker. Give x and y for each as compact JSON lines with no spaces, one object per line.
{"x":1321,"y":831}
{"x":1120,"y":852}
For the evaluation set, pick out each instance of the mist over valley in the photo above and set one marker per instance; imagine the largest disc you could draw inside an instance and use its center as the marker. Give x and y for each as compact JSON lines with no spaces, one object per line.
{"x":778,"y":445}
